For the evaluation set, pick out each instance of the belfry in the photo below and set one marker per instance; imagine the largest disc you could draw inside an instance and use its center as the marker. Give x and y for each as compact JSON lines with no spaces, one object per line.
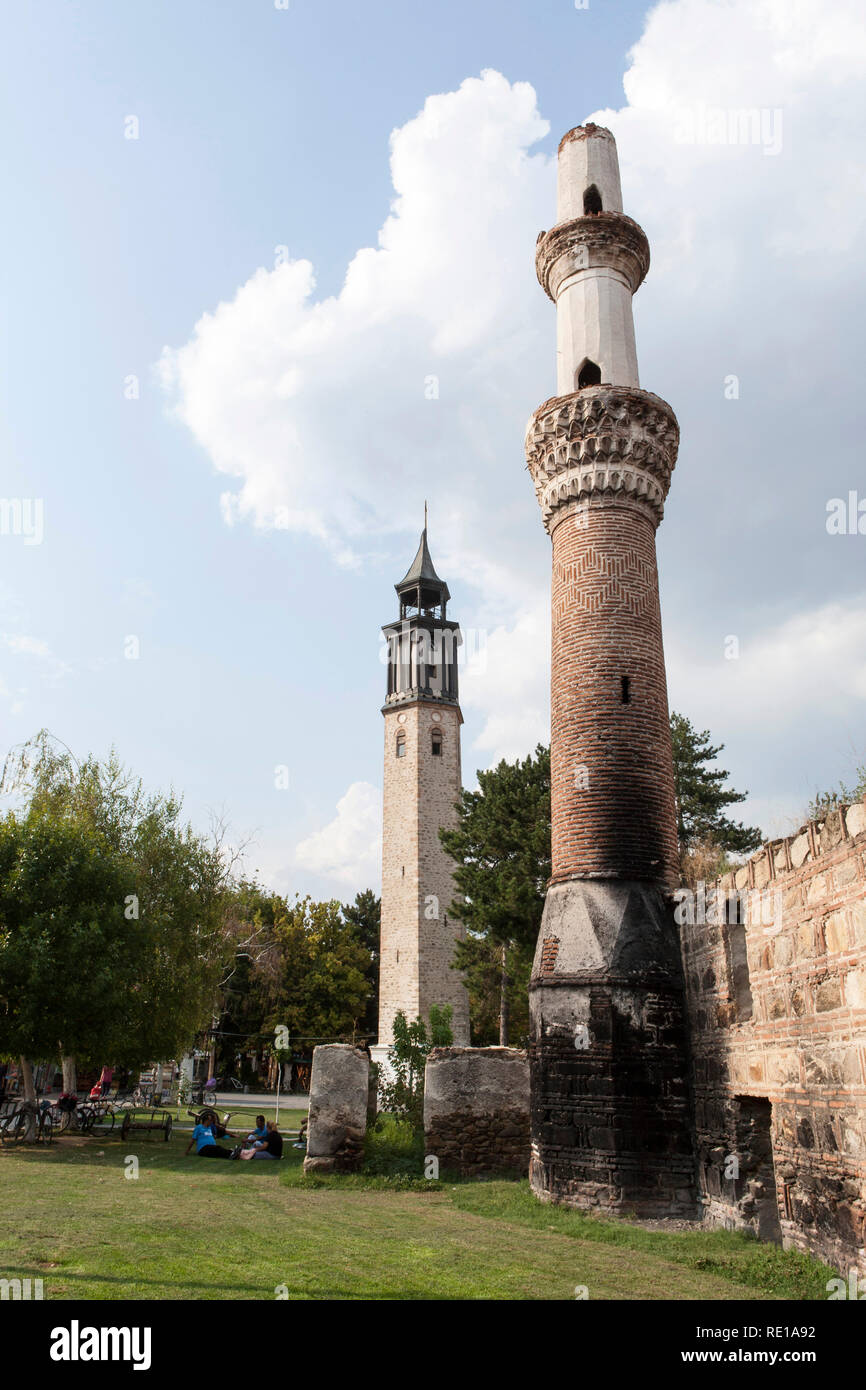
{"x":422,"y":783}
{"x":611,"y":1120}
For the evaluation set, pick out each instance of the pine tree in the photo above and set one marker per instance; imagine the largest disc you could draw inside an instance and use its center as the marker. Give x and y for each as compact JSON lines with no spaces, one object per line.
{"x":702,"y":797}
{"x":501,"y":847}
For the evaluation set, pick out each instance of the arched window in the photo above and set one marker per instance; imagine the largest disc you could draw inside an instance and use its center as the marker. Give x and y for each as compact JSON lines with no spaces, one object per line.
{"x":401,"y":745}
{"x":436,"y":743}
{"x":589,"y":374}
{"x":591,"y":201}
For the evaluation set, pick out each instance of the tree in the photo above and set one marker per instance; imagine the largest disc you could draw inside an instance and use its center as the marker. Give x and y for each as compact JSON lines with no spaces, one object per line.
{"x":480,"y":962}
{"x":365,"y":915}
{"x":702,"y":797}
{"x":314,"y":976}
{"x":501,"y":849}
{"x":158,"y":979}
{"x":65,"y":962}
{"x":401,"y":1085}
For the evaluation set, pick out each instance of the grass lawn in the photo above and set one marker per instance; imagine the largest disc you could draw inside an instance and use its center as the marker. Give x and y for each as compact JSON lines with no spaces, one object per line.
{"x":194,"y":1228}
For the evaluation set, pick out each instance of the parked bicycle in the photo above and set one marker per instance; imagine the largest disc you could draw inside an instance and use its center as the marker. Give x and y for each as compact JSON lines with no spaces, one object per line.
{"x":18,"y":1123}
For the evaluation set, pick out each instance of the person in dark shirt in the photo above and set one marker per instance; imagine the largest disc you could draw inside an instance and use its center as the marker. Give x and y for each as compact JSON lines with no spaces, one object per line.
{"x":272,"y":1147}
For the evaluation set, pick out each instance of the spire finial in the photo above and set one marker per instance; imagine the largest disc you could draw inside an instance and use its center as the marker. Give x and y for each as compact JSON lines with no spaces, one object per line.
{"x":425,"y":513}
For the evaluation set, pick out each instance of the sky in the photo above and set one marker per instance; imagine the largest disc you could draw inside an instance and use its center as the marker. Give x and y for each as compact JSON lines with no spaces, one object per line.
{"x":268,"y":285}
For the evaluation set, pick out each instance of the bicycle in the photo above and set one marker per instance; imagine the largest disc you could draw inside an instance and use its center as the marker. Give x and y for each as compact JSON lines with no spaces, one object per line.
{"x":16,"y":1124}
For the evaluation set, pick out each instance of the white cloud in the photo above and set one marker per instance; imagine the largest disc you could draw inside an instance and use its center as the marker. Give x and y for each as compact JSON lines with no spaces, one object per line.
{"x":52,"y":669}
{"x":28,"y":646}
{"x":508,"y":681}
{"x":327,"y":410}
{"x":815,"y":660}
{"x":317,"y":409}
{"x":349,"y":848}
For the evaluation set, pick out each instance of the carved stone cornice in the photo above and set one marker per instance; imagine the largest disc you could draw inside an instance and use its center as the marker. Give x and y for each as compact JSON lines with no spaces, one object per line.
{"x":608,"y":239}
{"x":602,"y":443}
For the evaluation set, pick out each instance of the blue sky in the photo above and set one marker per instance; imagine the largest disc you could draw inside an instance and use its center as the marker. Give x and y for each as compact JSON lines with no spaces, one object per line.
{"x":261,"y":129}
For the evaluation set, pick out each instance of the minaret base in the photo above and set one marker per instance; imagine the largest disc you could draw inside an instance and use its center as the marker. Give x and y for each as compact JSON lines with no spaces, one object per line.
{"x":611,"y":1108}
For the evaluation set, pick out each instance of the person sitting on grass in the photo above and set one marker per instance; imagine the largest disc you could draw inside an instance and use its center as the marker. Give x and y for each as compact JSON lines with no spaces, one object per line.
{"x":218,"y":1125}
{"x":260,"y":1133}
{"x":205,"y":1142}
{"x":271,"y":1147}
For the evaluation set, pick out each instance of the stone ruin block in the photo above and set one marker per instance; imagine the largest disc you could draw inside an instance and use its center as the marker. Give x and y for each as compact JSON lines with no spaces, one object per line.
{"x":339,"y":1091}
{"x":476,"y":1109}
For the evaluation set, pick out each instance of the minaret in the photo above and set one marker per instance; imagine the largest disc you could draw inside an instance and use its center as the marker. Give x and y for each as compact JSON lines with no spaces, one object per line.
{"x":422,"y":783}
{"x":611,"y":1121}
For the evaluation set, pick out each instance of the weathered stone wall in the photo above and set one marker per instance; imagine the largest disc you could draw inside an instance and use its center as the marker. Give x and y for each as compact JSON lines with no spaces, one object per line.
{"x":476,"y":1109}
{"x":339,"y":1095}
{"x":777,"y":1009}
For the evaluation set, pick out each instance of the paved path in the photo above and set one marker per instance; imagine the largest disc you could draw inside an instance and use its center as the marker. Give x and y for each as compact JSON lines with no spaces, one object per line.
{"x":255,"y":1100}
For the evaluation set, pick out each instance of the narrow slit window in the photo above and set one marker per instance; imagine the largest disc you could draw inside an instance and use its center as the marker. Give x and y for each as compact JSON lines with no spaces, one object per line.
{"x":591,"y":201}
{"x":401,"y":745}
{"x":436,"y":744}
{"x":625,"y":689}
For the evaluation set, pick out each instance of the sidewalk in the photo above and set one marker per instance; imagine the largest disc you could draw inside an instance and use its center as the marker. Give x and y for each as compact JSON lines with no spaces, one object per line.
{"x":256,"y":1100}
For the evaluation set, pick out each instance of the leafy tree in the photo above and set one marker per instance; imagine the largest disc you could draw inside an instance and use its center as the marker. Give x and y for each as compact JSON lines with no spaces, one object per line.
{"x":702,"y":797}
{"x":480,"y":960}
{"x":65,"y":959}
{"x":159,"y":985}
{"x":401,"y":1085}
{"x":246,"y":988}
{"x":501,"y":849}
{"x":313,"y":976}
{"x":365,"y":914}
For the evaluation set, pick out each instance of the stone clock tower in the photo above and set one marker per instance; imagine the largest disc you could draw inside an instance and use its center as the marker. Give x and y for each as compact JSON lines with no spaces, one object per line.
{"x":611,"y":1122}
{"x":422,"y":782}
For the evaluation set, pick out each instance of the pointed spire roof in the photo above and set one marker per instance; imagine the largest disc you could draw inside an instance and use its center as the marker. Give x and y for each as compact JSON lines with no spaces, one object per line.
{"x":422,"y":573}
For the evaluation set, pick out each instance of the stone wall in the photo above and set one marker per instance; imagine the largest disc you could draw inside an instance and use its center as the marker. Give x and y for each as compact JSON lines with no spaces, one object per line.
{"x":339,"y":1096}
{"x":476,"y":1109}
{"x":775,"y":969}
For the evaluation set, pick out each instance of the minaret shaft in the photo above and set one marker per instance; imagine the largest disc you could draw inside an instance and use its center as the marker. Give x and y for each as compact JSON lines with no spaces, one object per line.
{"x":611,"y":1122}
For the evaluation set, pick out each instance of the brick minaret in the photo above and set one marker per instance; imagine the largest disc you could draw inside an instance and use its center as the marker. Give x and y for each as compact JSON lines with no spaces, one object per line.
{"x":421,"y":785}
{"x":610,"y":1106}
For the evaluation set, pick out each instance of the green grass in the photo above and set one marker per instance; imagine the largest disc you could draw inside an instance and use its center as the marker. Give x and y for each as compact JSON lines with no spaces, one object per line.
{"x":193,"y":1228}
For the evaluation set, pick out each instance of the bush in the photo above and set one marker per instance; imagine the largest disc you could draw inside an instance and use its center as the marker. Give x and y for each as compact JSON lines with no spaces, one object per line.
{"x":401,"y":1090}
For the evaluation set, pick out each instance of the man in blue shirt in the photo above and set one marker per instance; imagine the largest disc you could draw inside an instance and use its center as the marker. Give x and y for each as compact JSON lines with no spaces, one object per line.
{"x":205,"y":1143}
{"x":260,"y":1132}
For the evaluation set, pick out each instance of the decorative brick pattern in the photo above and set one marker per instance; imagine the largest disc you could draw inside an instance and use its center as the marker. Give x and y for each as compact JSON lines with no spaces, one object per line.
{"x":612,"y":788}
